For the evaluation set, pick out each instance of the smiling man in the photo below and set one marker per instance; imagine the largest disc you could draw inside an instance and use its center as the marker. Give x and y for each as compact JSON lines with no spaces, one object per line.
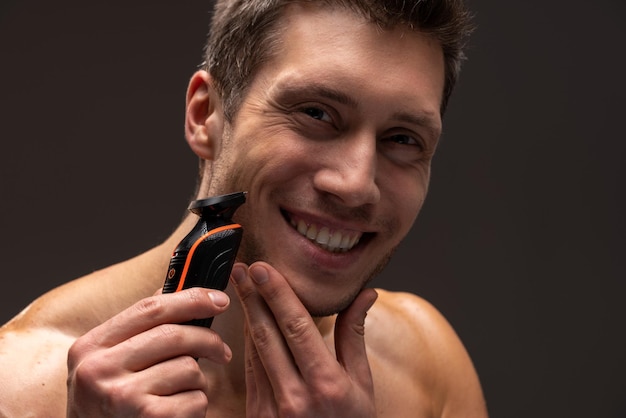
{"x":328,"y":114}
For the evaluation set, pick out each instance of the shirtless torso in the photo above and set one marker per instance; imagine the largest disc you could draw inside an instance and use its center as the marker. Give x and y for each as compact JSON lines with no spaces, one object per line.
{"x":333,"y":141}
{"x":419,"y":367}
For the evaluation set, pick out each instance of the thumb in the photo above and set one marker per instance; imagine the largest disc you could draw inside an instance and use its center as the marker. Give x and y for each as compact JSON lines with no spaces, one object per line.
{"x":350,"y":333}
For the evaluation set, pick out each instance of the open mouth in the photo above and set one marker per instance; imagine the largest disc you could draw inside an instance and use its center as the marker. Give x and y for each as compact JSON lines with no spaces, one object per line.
{"x":333,"y":240}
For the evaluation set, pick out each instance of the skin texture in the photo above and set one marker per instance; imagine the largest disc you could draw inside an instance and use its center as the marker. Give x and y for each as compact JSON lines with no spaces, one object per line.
{"x":337,"y":131}
{"x":346,"y":167}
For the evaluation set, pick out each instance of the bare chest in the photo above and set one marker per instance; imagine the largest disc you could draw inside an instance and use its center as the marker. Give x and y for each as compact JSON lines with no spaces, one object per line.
{"x":396,"y":397}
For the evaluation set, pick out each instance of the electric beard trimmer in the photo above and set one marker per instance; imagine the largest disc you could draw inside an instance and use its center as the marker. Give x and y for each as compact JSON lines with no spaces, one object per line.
{"x":205,"y":257}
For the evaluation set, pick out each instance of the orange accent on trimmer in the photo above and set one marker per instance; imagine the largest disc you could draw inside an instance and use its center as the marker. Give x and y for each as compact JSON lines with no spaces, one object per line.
{"x":183,"y":275}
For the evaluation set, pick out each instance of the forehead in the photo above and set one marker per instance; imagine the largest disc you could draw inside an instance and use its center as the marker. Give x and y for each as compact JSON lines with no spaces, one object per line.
{"x":342,"y":48}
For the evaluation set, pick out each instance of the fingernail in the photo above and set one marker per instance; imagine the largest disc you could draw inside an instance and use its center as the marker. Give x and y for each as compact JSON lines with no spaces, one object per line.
{"x":219,"y":298}
{"x":372,"y":303}
{"x":228,"y":352}
{"x":238,"y":274}
{"x":259,"y":274}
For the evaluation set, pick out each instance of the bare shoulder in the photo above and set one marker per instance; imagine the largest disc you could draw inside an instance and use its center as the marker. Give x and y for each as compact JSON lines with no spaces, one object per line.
{"x":34,"y":344}
{"x":413,"y":347}
{"x":32,"y":370}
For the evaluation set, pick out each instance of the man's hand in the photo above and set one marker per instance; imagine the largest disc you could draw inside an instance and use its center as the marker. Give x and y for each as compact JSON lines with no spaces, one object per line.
{"x":140,"y":363}
{"x":290,"y":372}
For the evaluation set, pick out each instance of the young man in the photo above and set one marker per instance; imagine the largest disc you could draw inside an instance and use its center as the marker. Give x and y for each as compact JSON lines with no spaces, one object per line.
{"x":328,"y":114}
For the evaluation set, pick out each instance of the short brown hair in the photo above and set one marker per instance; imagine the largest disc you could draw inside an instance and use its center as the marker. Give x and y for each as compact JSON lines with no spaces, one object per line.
{"x":244,"y":34}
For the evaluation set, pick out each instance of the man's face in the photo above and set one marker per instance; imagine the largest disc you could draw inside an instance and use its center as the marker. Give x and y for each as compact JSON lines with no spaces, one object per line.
{"x":333,"y":144}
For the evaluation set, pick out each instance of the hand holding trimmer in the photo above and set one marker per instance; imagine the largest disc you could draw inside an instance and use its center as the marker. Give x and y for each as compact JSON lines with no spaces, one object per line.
{"x":205,"y":257}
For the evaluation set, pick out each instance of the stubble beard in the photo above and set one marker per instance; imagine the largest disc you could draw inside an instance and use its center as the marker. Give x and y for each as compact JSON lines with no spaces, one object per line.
{"x":251,"y":251}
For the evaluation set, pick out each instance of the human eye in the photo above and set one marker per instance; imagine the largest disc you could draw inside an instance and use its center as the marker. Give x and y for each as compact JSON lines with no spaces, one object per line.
{"x":404,"y":139}
{"x":315,"y":121}
{"x":405,"y":146}
{"x":316,"y":113}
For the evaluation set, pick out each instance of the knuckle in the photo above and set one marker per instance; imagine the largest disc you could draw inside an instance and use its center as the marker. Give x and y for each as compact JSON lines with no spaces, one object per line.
{"x":334,"y":393}
{"x":113,"y":395}
{"x":149,"y":307}
{"x":359,"y":329}
{"x":119,"y":392}
{"x":191,"y":365}
{"x":196,"y":302}
{"x":213,"y":341}
{"x":293,"y":406}
{"x":262,"y":336}
{"x":169,"y":334}
{"x":82,"y":348}
{"x":297,"y":329}
{"x":75,"y":354}
{"x":330,"y":392}
{"x":83,"y":374}
{"x":92,"y":373}
{"x":195,"y":295}
{"x":193,"y":372}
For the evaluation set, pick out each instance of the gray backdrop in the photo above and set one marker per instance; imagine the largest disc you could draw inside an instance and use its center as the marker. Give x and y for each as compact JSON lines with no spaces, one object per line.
{"x":520,"y":243}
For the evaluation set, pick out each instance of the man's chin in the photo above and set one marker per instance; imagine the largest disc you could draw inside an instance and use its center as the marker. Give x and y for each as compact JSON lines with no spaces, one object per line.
{"x":320,"y":309}
{"x":318,"y":305}
{"x":332,"y":308}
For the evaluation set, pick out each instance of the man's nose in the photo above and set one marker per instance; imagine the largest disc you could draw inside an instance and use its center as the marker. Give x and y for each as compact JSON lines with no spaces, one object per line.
{"x":348,"y":171}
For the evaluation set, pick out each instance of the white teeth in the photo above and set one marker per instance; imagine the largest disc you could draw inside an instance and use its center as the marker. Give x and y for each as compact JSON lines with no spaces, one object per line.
{"x":334,"y":241}
{"x":345,"y":242}
{"x":302,"y":227}
{"x":323,"y":236}
{"x":312,"y":232}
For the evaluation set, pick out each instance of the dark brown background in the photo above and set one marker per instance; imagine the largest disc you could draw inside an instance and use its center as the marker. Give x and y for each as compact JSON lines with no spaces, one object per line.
{"x":521,"y":241}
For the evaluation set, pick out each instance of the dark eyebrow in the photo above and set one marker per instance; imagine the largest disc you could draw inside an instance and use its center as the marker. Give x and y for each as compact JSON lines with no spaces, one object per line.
{"x":291,"y":88}
{"x":429,"y":121}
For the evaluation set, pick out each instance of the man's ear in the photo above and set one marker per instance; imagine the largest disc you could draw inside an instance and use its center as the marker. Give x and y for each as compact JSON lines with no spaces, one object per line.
{"x":204,"y":117}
